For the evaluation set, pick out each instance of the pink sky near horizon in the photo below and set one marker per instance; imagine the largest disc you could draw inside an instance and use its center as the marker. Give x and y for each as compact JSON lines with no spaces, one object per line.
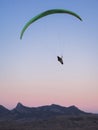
{"x":50,"y":90}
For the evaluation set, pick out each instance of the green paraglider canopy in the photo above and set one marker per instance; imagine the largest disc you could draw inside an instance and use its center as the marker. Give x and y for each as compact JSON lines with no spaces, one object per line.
{"x":45,"y":13}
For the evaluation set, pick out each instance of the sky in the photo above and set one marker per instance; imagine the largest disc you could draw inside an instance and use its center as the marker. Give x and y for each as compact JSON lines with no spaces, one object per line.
{"x":29,"y":70}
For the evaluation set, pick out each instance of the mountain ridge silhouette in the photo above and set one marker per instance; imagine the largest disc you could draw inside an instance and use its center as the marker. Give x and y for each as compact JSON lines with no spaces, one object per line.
{"x":40,"y":112}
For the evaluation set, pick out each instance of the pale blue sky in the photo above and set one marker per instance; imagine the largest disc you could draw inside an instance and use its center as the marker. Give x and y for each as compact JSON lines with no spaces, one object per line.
{"x":29,"y":68}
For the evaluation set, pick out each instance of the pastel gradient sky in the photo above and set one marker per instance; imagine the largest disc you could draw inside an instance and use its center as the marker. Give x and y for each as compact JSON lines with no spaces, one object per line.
{"x":29,"y":70}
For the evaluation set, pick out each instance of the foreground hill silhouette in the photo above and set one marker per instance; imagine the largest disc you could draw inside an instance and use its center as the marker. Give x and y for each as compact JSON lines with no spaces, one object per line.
{"x":49,"y":117}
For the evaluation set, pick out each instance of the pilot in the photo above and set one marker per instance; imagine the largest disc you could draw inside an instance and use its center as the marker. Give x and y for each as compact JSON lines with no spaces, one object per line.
{"x":60,"y":59}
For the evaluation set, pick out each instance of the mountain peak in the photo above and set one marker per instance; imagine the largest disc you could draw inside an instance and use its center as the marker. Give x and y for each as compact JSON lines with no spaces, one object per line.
{"x":73,"y":107}
{"x":22,"y":109}
{"x":19,"y":105}
{"x":55,"y":105}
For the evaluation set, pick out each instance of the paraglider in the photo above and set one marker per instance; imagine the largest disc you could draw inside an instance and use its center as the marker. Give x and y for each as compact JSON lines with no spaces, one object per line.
{"x":46,"y":13}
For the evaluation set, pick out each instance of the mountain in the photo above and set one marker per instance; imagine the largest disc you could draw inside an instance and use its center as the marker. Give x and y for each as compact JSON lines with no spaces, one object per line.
{"x":42,"y":112}
{"x":3,"y":111}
